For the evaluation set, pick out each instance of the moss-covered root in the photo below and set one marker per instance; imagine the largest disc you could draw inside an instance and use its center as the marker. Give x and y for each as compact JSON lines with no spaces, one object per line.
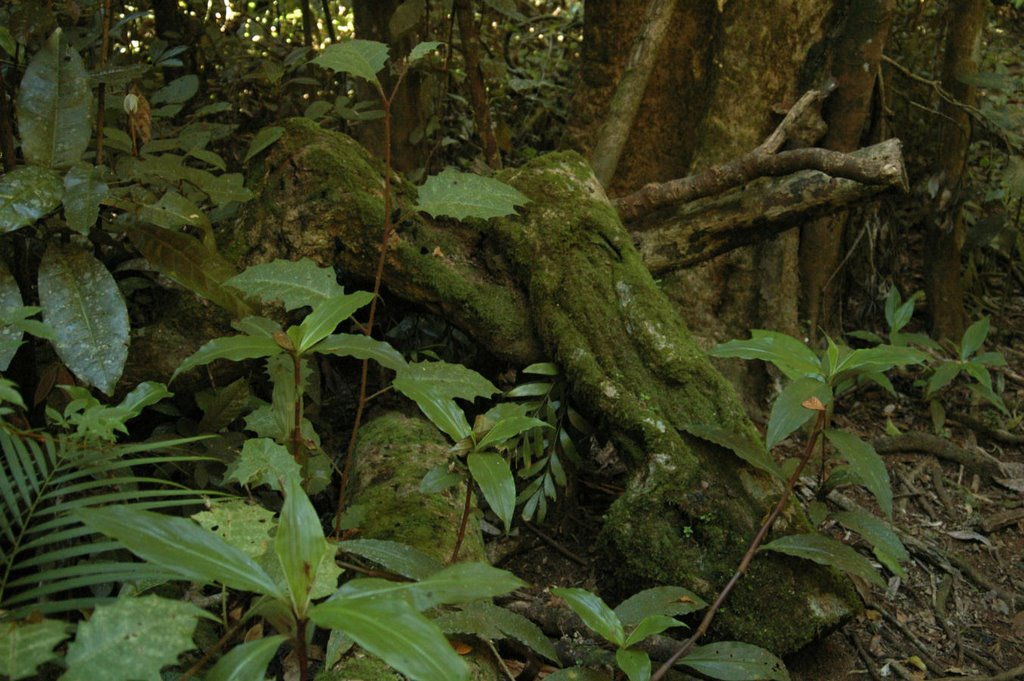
{"x":690,"y":508}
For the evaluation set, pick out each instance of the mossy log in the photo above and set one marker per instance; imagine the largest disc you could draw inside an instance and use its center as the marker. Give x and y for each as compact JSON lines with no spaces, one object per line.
{"x":562,"y":280}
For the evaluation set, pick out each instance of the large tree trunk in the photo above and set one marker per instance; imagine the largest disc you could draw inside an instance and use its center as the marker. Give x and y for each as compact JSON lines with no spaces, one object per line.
{"x":563,"y":281}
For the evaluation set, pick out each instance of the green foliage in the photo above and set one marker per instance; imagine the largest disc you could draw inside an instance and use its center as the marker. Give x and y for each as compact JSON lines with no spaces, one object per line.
{"x":465,"y":195}
{"x":26,"y":645}
{"x":971,"y":363}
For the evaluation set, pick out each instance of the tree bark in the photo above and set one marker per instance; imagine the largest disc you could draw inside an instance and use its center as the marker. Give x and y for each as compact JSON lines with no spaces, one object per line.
{"x":858,"y":53}
{"x":945,"y":232}
{"x":463,"y":10}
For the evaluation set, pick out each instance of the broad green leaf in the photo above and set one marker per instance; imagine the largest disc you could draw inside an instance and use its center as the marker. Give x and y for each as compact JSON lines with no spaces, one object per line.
{"x":27,"y":194}
{"x":788,"y":413}
{"x":361,"y":58}
{"x":395,"y":557}
{"x":81,"y":301}
{"x":393,"y":631}
{"x":660,"y":600}
{"x":442,"y":378}
{"x":878,"y":359}
{"x":650,"y":625}
{"x":173,"y":211}
{"x":460,"y":195}
{"x":535,"y":389}
{"x":490,"y":622}
{"x":438,"y":479}
{"x":156,"y":629}
{"x":735,"y":661}
{"x":743,"y":447}
{"x":9,"y":393}
{"x":361,"y":347}
{"x":263,"y":462}
{"x":186,"y":261}
{"x":178,"y":91}
{"x":790,"y":356}
{"x":492,"y":473}
{"x":7,"y":42}
{"x":247,"y":661}
{"x":405,"y":18}
{"x":10,"y":300}
{"x":422,"y":50}
{"x":866,"y":464}
{"x":594,"y":613}
{"x":181,"y":546}
{"x":296,"y":284}
{"x":264,"y":138}
{"x":145,"y":394}
{"x":223,"y":405}
{"x":886,"y":546}
{"x":507,"y":428}
{"x":943,"y":375}
{"x":234,"y":348}
{"x":826,"y":551}
{"x":542,"y":369}
{"x":458,"y":583}
{"x":54,"y":106}
{"x":326,"y":316}
{"x":300,"y":543}
{"x":83,"y":191}
{"x":578,"y":674}
{"x":24,"y":646}
{"x":242,"y":524}
{"x":974,"y":336}
{"x":635,"y":663}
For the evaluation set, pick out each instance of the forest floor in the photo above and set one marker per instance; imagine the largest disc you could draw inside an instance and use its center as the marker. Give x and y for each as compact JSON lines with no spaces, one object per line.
{"x":958,"y":613}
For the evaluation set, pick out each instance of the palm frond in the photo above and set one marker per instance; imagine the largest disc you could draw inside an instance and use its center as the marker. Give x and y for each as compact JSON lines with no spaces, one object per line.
{"x":51,"y":563}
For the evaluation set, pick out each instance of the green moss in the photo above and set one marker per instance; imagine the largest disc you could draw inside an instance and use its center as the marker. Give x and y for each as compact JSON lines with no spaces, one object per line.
{"x":361,"y":668}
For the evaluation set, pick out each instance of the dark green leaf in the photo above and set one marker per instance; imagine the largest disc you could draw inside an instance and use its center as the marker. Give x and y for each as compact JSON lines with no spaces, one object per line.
{"x":790,"y":356}
{"x":464,"y":195}
{"x":242,"y":524}
{"x":578,"y":674}
{"x":222,"y":406}
{"x":942,"y":376}
{"x":27,"y":194}
{"x":865,"y":464}
{"x":450,"y":380}
{"x":55,"y":106}
{"x":458,"y":583}
{"x":361,"y":58}
{"x":263,"y":462}
{"x":181,"y":546}
{"x":82,"y":303}
{"x":438,"y":479}
{"x":10,"y":301}
{"x":635,"y":663}
{"x":660,"y":600}
{"x":178,"y":91}
{"x":326,"y":316}
{"x":881,"y":358}
{"x":650,"y":625}
{"x":594,"y":613}
{"x":405,"y":18}
{"x":83,"y":191}
{"x":974,"y":336}
{"x":361,"y":347}
{"x":393,"y":556}
{"x":246,"y":661}
{"x":173,"y":211}
{"x":789,"y":414}
{"x":185,"y":260}
{"x":296,"y":284}
{"x":886,"y":546}
{"x":743,"y":447}
{"x":300,"y":543}
{"x":826,"y":551}
{"x":264,"y":138}
{"x":24,"y":646}
{"x":507,"y":429}
{"x":735,"y":661}
{"x":158,"y":630}
{"x":492,"y":473}
{"x":490,"y":622}
{"x":393,"y":631}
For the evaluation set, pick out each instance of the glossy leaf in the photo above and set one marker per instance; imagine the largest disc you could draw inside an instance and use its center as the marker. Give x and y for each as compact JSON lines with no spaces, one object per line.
{"x":54,"y":106}
{"x":885,"y":544}
{"x":264,"y":138}
{"x":974,"y":336}
{"x":393,"y":631}
{"x":659,"y":600}
{"x":743,"y":447}
{"x":360,"y":58}
{"x":508,"y":428}
{"x":735,"y":661}
{"x":788,"y":413}
{"x":399,"y":558}
{"x":866,"y":464}
{"x":10,"y":300}
{"x":247,"y":661}
{"x":158,"y":630}
{"x":878,"y":359}
{"x":295,"y":283}
{"x":461,"y":195}
{"x":492,"y":473}
{"x":790,"y":356}
{"x":186,"y":261}
{"x":181,"y":546}
{"x":594,"y":613}
{"x":234,"y":348}
{"x":26,"y":645}
{"x":458,"y":583}
{"x":826,"y":551}
{"x":83,"y":191}
{"x":635,"y":663}
{"x":442,"y":378}
{"x":650,"y":625}
{"x":300,"y":544}
{"x":83,"y":304}
{"x":26,"y":195}
{"x":173,"y":211}
{"x":326,"y":316}
{"x":361,"y":347}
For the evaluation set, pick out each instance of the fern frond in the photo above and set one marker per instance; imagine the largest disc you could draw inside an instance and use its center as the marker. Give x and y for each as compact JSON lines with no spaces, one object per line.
{"x":50,"y":562}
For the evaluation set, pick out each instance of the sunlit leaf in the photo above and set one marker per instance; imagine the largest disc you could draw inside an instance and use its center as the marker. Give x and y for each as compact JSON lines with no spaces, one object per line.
{"x":83,"y":304}
{"x":361,"y":58}
{"x":54,"y":106}
{"x":790,"y":356}
{"x":461,"y":195}
{"x":242,"y":524}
